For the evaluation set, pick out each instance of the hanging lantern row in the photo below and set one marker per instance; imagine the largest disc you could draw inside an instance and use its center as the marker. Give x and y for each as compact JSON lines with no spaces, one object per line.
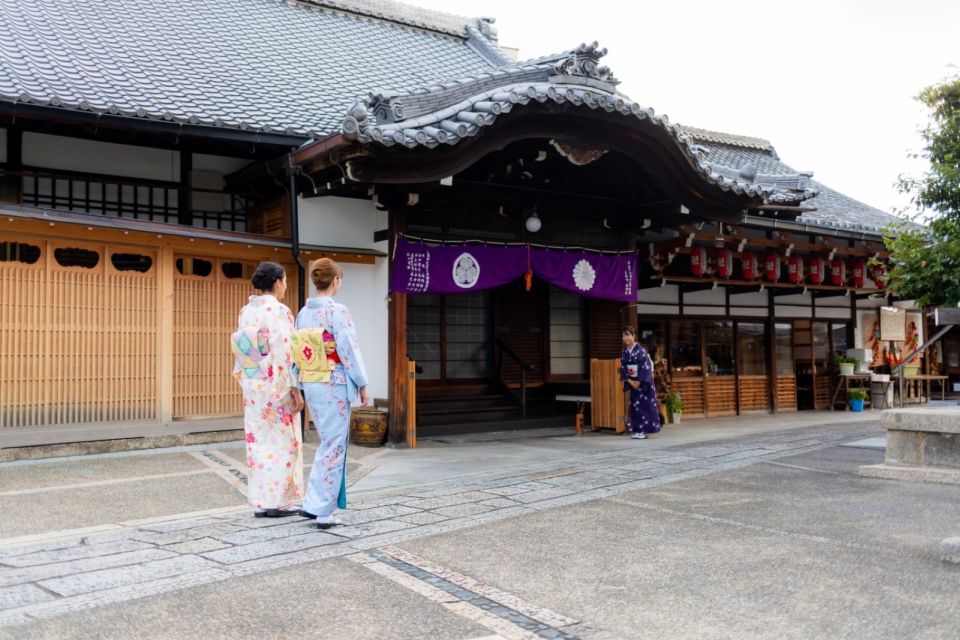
{"x":799,"y":269}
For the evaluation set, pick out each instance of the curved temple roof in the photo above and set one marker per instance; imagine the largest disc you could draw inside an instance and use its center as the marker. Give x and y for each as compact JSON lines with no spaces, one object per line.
{"x":445,"y":114}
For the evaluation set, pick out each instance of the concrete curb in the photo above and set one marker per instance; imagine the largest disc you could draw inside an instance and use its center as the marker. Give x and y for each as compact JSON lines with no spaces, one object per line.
{"x":936,"y":475}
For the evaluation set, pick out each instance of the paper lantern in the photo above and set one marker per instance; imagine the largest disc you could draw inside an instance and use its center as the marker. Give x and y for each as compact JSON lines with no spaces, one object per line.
{"x":879,"y":276}
{"x":795,"y":269}
{"x":772,"y":267}
{"x":838,"y":272}
{"x":858,"y":272}
{"x":698,"y":261}
{"x":724,"y":258}
{"x":749,"y":266}
{"x":818,"y":268}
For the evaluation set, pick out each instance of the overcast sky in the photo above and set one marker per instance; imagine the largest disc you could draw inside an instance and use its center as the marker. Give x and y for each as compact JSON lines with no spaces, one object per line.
{"x":829,"y":83}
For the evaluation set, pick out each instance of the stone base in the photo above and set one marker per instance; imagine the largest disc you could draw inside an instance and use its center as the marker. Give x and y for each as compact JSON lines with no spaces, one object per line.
{"x":928,"y":437}
{"x":937,"y":475}
{"x":950,"y":550}
{"x":40,"y":452}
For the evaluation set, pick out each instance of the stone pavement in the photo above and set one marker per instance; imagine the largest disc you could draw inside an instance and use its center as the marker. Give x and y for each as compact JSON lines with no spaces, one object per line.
{"x":391,"y":534}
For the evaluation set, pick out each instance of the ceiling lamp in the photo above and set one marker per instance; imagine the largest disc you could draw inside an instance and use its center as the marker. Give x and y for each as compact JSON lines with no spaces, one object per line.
{"x":533,"y":223}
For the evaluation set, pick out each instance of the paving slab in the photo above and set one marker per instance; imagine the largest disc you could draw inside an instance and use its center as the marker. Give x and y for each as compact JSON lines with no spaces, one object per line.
{"x":331,"y":598}
{"x":77,"y":508}
{"x":83,"y":469}
{"x":758,"y":552}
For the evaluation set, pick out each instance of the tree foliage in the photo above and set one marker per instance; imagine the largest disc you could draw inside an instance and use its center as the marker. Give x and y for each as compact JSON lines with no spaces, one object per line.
{"x":925,"y":261}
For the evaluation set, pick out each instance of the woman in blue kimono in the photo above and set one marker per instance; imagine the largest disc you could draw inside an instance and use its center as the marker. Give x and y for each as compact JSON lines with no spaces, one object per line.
{"x":636,"y":371}
{"x":333,"y":377}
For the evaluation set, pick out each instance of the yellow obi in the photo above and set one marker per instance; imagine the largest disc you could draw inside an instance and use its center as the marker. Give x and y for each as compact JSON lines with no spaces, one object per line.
{"x":310,"y":355}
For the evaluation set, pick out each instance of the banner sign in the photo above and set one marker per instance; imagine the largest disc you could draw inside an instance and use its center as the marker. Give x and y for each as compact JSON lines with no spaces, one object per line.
{"x":419,"y":267}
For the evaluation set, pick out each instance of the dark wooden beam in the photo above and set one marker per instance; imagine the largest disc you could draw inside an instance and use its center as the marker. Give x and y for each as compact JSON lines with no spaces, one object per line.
{"x":397,"y":370}
{"x":829,"y":294}
{"x":691,"y":287}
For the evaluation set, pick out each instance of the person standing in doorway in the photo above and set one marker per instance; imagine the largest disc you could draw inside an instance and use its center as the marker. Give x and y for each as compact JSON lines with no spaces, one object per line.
{"x":334,"y":377}
{"x":271,"y":400}
{"x":636,"y":371}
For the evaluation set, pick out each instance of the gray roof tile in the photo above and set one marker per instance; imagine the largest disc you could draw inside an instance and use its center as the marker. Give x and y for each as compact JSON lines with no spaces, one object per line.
{"x":259,"y":64}
{"x":833,"y":209}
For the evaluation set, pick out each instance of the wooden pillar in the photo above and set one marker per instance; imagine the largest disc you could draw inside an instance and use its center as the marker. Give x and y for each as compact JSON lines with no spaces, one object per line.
{"x":184,"y":194}
{"x":397,"y":370}
{"x":165,"y":345}
{"x":772,"y":349}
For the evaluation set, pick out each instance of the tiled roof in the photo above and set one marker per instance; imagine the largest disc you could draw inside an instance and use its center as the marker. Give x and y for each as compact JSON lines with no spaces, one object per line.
{"x":833,"y":209}
{"x":260,"y":65}
{"x":445,"y":114}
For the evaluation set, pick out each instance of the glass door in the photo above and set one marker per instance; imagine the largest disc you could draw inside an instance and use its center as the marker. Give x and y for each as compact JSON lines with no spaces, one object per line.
{"x":753,"y":383}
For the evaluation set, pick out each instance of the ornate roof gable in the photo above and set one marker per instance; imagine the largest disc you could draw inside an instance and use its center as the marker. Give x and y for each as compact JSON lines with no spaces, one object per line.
{"x":449,"y":112}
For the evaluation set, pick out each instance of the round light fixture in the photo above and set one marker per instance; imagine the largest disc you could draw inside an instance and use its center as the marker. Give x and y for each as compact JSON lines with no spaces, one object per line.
{"x":533,"y":223}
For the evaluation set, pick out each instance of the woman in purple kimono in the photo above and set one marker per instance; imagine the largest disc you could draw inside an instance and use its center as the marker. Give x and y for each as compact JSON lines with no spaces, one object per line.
{"x":636,"y":371}
{"x":333,"y":376}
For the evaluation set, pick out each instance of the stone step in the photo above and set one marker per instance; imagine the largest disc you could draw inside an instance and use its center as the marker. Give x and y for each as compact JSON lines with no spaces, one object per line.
{"x":940,"y":419}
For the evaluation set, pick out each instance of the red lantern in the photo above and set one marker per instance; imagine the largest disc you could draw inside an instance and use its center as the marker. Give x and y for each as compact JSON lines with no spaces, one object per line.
{"x":838,"y":272}
{"x":724,"y":258}
{"x":748,"y":264}
{"x":772,"y":267}
{"x":795,"y":269}
{"x":879,"y":276}
{"x":698,"y":261}
{"x":818,"y":267}
{"x":858,"y":272}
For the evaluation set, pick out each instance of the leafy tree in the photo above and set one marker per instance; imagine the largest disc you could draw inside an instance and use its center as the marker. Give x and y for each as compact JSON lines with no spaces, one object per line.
{"x":925,"y":262}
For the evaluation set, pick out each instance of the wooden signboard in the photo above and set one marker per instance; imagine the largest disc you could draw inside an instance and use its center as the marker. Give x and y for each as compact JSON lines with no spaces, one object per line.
{"x":893,"y":324}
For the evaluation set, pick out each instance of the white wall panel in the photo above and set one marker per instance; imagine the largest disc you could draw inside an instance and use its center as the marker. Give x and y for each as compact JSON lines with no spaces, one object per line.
{"x":337,"y":222}
{"x":90,"y":156}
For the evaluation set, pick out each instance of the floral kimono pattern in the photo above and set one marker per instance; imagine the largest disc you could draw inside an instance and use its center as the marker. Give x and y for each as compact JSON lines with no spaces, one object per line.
{"x":642,"y":414}
{"x":274,"y":452}
{"x":330,"y":402}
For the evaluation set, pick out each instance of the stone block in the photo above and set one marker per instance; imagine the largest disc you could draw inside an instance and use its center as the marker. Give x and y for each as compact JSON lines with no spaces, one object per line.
{"x":904,"y":447}
{"x":22,"y":596}
{"x":941,"y":450}
{"x":940,"y":419}
{"x":46,"y":571}
{"x":123,"y":576}
{"x":315,"y":538}
{"x":76,"y":552}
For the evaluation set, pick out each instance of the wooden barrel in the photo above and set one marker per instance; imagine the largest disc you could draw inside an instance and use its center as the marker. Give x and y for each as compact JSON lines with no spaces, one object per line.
{"x":368,"y":427}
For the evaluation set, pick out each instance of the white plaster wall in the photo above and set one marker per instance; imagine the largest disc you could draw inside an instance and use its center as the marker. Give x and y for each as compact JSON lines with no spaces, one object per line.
{"x":364,"y":289}
{"x":337,"y":222}
{"x":220,"y":164}
{"x":690,"y":310}
{"x":711,"y":296}
{"x":833,"y":313}
{"x":788,"y":311}
{"x":750,"y":312}
{"x":756,"y":298}
{"x":657,"y":310}
{"x":90,"y":156}
{"x":871,"y":303}
{"x":667,"y":293}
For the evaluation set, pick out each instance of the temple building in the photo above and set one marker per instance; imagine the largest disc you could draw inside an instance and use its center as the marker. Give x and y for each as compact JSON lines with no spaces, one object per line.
{"x":498,"y":221}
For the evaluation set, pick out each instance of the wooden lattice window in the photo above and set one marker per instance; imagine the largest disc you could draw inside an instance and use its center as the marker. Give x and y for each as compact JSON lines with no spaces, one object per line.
{"x":76,"y":257}
{"x":19,"y":252}
{"x":237,"y":270}
{"x":194,"y":267}
{"x":131,"y":262}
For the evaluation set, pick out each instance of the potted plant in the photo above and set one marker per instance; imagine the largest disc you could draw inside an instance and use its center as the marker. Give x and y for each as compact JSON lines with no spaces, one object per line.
{"x":674,"y":407}
{"x":857,"y":397}
{"x":845,"y":364}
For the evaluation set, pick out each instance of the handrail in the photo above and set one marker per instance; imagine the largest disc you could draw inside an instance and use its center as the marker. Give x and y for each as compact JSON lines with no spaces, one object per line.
{"x":524,"y":368}
{"x":898,"y":368}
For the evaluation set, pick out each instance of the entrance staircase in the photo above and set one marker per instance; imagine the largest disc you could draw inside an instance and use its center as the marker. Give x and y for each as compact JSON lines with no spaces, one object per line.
{"x":454,"y":412}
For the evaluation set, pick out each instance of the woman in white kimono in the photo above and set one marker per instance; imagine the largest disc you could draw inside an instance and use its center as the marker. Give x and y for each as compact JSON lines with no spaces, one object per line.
{"x":271,"y":400}
{"x":333,"y":377}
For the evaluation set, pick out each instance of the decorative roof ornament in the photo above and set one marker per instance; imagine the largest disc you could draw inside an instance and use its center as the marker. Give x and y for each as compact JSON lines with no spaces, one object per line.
{"x":577,"y":154}
{"x":584,"y":61}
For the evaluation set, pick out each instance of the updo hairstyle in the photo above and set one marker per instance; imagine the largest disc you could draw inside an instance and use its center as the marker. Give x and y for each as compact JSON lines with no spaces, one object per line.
{"x":266,"y":276}
{"x":322,"y":273}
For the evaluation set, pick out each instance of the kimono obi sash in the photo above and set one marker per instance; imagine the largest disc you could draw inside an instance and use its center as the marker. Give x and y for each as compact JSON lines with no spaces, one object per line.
{"x":315,"y":354}
{"x":250,"y":347}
